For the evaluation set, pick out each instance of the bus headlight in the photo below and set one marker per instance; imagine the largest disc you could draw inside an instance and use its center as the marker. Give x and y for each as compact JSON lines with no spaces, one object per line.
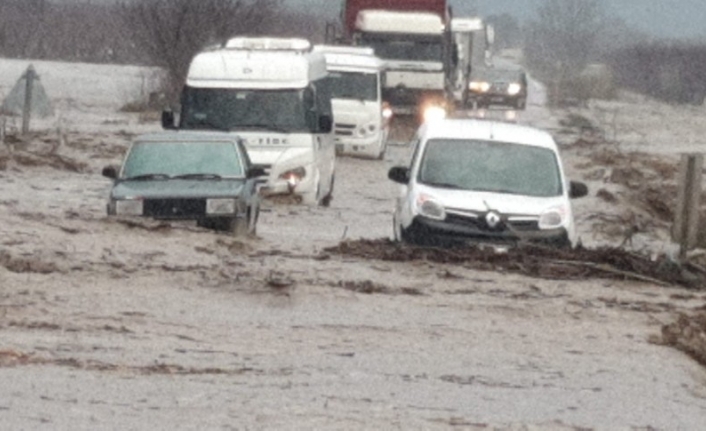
{"x":293,"y":176}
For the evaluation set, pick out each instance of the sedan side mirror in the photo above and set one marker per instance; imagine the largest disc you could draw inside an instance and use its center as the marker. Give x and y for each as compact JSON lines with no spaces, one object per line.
{"x":577,"y":189}
{"x":399,"y":174}
{"x":110,"y":171}
{"x":168,"y":120}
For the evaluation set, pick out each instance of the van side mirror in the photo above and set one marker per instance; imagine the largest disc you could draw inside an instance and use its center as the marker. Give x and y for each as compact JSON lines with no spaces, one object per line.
{"x":255,"y":172}
{"x":168,"y":120}
{"x":110,"y":171}
{"x":577,"y":189}
{"x":399,"y":174}
{"x":325,"y":124}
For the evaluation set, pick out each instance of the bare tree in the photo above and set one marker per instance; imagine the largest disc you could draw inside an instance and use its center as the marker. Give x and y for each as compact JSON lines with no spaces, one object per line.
{"x":171,"y":32}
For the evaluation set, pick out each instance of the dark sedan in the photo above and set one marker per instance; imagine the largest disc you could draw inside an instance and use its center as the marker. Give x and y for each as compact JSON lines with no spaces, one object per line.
{"x":499,"y":87}
{"x":200,"y":176}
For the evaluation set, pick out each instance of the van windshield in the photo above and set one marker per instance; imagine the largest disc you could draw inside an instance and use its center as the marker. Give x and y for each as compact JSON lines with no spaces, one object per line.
{"x":354,"y":85}
{"x":491,"y":166}
{"x":394,"y":47}
{"x":233,"y":109}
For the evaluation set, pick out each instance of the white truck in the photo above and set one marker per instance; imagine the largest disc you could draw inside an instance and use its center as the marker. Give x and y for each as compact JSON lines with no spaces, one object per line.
{"x":361,"y":117}
{"x":472,"y":40}
{"x":273,"y":93}
{"x":417,"y":48}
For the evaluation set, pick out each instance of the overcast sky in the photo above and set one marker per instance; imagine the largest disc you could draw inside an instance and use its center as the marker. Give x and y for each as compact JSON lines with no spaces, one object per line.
{"x":681,"y":19}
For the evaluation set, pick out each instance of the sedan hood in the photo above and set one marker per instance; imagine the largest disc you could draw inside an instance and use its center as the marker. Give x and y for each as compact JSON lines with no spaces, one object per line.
{"x":175,"y":188}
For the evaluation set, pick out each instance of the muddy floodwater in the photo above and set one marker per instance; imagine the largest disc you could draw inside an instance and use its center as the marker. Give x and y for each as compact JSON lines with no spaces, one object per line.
{"x":136,"y":324}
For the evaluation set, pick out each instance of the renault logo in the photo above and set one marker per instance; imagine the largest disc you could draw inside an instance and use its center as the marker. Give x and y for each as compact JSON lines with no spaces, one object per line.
{"x":493,"y":219}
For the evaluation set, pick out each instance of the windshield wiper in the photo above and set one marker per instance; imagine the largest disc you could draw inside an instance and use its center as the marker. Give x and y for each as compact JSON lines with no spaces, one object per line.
{"x":198,"y":177}
{"x":207,"y":125}
{"x":443,"y":185}
{"x":145,"y":177}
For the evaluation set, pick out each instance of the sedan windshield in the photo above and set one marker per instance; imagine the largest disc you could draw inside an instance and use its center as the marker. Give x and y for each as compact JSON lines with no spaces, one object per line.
{"x":224,"y":109}
{"x":162,"y":160}
{"x":491,"y":166}
{"x":351,"y":85}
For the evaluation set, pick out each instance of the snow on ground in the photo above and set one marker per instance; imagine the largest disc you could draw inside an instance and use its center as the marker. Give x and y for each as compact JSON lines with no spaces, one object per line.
{"x":111,"y":324}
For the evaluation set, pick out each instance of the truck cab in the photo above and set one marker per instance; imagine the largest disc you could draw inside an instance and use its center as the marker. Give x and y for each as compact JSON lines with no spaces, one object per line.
{"x":273,"y":93}
{"x":361,"y":116}
{"x":416,"y":48}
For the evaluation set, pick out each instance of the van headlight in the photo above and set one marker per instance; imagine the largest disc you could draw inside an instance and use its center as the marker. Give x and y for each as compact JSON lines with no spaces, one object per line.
{"x":552,"y":218}
{"x":514,"y":89}
{"x":293,"y":176}
{"x":220,"y":206}
{"x":434,"y":113}
{"x":129,"y":207}
{"x":430,"y":207}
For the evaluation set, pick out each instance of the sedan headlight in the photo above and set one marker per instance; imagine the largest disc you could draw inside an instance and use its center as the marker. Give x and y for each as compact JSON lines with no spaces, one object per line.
{"x":220,"y":206}
{"x":514,"y":89}
{"x":479,"y":86}
{"x":552,"y":218}
{"x":430,"y":207}
{"x":129,"y":207}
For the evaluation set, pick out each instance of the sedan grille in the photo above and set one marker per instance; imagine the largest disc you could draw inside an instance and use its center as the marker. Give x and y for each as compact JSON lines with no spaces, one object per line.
{"x":174,"y":208}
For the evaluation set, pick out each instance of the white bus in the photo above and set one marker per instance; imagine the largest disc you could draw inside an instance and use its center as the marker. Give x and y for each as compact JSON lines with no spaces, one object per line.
{"x":273,"y":92}
{"x":361,"y":117}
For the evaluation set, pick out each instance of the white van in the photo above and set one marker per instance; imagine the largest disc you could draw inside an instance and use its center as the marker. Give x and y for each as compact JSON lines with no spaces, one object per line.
{"x":484,"y":183}
{"x":273,"y":92}
{"x":361,"y":117}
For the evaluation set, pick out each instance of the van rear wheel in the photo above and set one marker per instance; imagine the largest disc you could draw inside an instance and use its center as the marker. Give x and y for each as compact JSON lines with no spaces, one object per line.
{"x":326,"y":201}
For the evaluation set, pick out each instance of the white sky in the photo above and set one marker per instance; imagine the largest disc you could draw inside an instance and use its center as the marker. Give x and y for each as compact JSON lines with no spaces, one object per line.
{"x":661,"y":18}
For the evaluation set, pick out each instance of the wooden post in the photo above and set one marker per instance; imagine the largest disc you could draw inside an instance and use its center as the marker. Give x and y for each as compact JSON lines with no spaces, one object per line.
{"x":29,"y":76}
{"x":686,"y":223}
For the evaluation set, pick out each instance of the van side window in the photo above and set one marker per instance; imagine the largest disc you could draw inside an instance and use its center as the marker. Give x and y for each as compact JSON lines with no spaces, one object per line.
{"x":322,"y":92}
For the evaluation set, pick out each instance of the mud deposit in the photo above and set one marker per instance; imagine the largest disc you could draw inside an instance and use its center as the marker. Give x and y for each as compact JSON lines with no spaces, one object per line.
{"x":321,"y":322}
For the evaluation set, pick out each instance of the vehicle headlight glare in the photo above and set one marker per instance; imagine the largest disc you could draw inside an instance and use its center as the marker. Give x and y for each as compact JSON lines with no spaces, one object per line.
{"x":434,"y":113}
{"x":480,"y":86}
{"x":293,"y":176}
{"x":514,"y":89}
{"x":387,"y":112}
{"x":552,"y":219}
{"x":220,"y":206}
{"x":130,"y":207}
{"x":430,"y":207}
